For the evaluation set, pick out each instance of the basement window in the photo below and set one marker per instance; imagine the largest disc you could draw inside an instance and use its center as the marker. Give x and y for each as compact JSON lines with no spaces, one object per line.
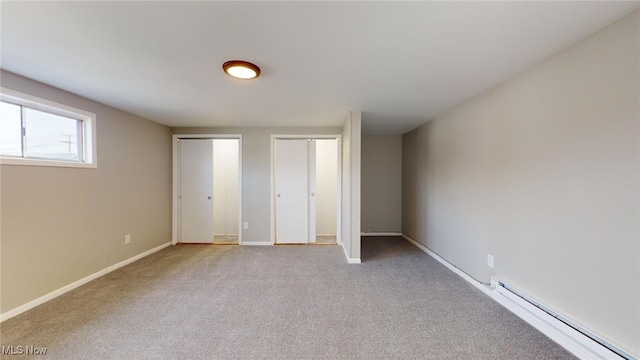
{"x":39,"y":132}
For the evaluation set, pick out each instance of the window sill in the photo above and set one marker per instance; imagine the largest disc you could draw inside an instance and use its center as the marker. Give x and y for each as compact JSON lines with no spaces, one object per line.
{"x":40,"y":162}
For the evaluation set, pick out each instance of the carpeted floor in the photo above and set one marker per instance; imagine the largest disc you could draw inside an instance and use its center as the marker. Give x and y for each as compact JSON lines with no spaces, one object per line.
{"x":279,"y":302}
{"x":326,"y":239}
{"x":225,"y":239}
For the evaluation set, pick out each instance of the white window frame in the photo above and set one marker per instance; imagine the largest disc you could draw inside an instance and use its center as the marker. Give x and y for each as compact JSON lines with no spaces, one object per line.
{"x":89,"y":143}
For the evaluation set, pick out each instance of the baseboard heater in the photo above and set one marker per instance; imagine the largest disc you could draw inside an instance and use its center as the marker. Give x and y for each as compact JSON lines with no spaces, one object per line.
{"x":586,"y":342}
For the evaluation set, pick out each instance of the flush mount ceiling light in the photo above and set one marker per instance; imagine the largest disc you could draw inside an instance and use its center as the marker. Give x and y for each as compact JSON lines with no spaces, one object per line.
{"x":241,"y":69}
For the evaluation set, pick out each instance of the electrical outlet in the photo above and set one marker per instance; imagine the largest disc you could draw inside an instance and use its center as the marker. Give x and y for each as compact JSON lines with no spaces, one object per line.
{"x":245,"y":225}
{"x":490,"y":260}
{"x":494,"y":282}
{"x":127,"y":238}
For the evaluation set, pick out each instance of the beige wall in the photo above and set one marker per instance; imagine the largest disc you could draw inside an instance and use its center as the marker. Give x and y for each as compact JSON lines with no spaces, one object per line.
{"x":382,"y":184}
{"x":225,"y":186}
{"x":256,"y":173}
{"x":543,"y":173}
{"x":326,"y":186}
{"x":60,"y":225}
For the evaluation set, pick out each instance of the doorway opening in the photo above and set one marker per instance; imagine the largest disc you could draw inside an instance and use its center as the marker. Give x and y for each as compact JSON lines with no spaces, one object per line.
{"x":306,"y":189}
{"x":326,"y":190}
{"x":226,"y":222}
{"x":207,"y":189}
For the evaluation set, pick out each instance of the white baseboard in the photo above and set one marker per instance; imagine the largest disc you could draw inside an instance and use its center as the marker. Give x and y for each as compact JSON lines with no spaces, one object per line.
{"x":257,"y":243}
{"x":485,"y":289}
{"x":41,"y":300}
{"x":380,"y":234}
{"x":350,"y":260}
{"x":576,"y":343}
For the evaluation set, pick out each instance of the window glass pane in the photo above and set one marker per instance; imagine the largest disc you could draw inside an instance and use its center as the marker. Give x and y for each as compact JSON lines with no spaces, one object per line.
{"x":51,"y":136}
{"x":10,"y":129}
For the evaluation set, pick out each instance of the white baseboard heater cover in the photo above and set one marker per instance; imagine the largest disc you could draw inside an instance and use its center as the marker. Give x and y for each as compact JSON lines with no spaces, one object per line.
{"x":587,"y":343}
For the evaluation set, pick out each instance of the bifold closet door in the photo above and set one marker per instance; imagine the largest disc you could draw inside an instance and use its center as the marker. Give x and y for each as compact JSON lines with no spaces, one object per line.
{"x":196,"y":191}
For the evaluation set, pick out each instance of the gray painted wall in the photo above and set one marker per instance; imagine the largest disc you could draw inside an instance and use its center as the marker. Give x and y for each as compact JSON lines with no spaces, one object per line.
{"x":351,"y":190}
{"x":60,"y":225}
{"x":382,"y":183}
{"x":543,"y":173}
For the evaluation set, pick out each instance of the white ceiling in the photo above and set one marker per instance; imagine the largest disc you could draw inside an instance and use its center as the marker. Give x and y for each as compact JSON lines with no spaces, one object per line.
{"x":400,"y":63}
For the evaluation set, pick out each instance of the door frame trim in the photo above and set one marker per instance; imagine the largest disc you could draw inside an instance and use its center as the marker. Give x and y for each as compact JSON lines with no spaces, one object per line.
{"x":176,"y":185}
{"x":337,"y":137}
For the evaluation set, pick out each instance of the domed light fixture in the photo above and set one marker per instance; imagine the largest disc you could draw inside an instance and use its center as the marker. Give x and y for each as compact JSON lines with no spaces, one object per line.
{"x":241,"y":69}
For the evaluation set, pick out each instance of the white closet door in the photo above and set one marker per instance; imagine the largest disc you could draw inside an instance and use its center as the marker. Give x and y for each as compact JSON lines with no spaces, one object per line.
{"x":196,"y":191}
{"x":291,"y":185}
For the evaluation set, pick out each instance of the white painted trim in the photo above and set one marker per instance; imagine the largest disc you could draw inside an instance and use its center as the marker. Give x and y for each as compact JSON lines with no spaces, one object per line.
{"x":174,"y":189}
{"x":174,"y":203}
{"x":573,"y":341}
{"x":312,"y":204}
{"x":89,"y":136}
{"x":349,"y":259}
{"x":339,"y":193}
{"x":381,"y":234}
{"x":257,"y":243}
{"x":40,"y":162}
{"x":338,"y":137}
{"x":272,"y":189}
{"x":54,"y":294}
{"x":240,"y":222}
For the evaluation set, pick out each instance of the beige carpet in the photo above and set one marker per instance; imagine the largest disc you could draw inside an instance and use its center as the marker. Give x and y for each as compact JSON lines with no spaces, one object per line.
{"x":325,"y":239}
{"x":279,"y":302}
{"x":225,"y":239}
